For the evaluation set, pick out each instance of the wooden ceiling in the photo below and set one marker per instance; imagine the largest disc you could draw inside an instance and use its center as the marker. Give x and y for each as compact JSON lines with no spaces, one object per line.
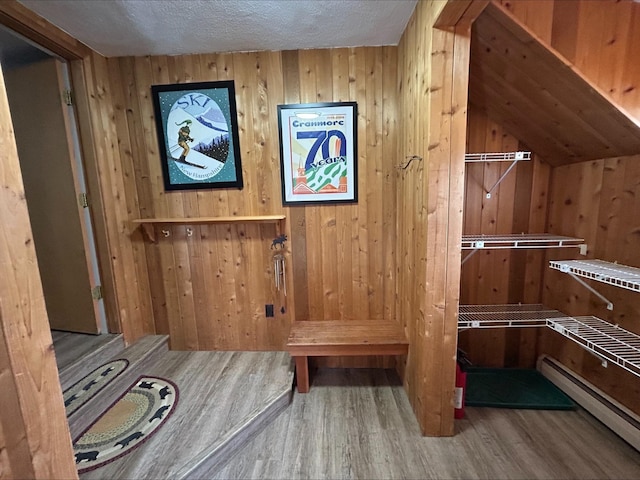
{"x":541,"y":98}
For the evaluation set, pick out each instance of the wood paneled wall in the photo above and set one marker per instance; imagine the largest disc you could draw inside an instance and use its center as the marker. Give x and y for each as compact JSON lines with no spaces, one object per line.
{"x":433,"y":76}
{"x":599,"y":201}
{"x":34,"y":437}
{"x":600,"y":37}
{"x":517,"y":205}
{"x":209,"y":291}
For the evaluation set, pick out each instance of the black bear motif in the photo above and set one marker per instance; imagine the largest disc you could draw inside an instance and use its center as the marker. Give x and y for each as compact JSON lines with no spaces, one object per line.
{"x":70,"y":400}
{"x":147,"y":385}
{"x":88,"y":456}
{"x":127,"y":440}
{"x":159,"y":413}
{"x":107,"y":372}
{"x":164,"y":392}
{"x":89,"y":385}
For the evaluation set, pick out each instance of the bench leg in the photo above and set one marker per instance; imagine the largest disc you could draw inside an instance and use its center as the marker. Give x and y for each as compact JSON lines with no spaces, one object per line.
{"x":302,"y":374}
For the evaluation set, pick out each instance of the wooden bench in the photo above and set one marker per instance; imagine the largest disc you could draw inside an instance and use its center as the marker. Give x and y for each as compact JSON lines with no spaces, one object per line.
{"x":344,"y":337}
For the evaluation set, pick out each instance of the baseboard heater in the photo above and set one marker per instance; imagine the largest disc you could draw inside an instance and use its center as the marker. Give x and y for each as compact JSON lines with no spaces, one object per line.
{"x":617,"y":417}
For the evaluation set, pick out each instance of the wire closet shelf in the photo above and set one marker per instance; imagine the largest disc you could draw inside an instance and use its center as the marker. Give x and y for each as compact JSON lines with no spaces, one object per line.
{"x":606,"y":341}
{"x":621,"y":276}
{"x":513,"y":241}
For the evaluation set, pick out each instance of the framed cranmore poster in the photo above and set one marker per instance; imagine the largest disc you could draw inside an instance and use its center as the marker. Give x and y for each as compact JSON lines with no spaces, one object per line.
{"x":318,"y":153}
{"x":198,"y":135}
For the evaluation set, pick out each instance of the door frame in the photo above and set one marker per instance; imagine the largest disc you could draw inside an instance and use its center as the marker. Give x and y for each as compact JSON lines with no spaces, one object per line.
{"x":50,"y":38}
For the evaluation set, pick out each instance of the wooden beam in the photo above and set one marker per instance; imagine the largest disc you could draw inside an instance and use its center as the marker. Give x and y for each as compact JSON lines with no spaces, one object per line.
{"x":30,"y":396}
{"x":460,"y":13}
{"x":32,"y":26}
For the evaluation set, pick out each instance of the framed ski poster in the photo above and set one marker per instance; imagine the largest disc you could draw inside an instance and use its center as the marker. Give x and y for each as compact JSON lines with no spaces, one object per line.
{"x":198,"y":135}
{"x":318,"y":153}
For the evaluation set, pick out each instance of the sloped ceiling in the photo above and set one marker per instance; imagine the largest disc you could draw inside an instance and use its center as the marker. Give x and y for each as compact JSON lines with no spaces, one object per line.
{"x":541,"y":98}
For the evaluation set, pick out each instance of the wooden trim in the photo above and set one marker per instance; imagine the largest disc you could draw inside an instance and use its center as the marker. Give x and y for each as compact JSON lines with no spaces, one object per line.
{"x":89,"y":159}
{"x":231,"y":219}
{"x":148,"y":224}
{"x":460,"y":13}
{"x":32,"y":26}
{"x":347,"y":350}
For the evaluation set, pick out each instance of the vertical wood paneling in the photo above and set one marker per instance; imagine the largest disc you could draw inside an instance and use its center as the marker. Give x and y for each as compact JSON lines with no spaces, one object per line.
{"x":390,"y":119}
{"x":360,"y":232}
{"x":340,"y":69}
{"x":517,"y":205}
{"x":131,"y":295}
{"x":15,"y":456}
{"x":433,"y":86}
{"x":327,"y":220}
{"x":604,"y":208}
{"x":209,"y":290}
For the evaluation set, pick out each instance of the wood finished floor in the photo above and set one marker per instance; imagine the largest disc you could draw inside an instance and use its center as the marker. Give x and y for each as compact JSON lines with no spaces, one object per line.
{"x":218,"y":390}
{"x":70,"y":347}
{"x":358,"y":424}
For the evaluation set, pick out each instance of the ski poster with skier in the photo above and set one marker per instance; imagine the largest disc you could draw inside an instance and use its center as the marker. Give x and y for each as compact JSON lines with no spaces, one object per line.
{"x":318,"y":152}
{"x":198,"y":135}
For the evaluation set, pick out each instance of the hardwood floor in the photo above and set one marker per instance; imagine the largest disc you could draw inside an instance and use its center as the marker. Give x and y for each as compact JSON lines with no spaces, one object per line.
{"x":78,"y":353}
{"x":358,"y":424}
{"x":70,"y":347}
{"x":219,"y":392}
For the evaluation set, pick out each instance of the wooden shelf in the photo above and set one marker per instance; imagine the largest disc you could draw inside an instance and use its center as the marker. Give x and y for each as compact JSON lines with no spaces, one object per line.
{"x":148,"y":224}
{"x":608,"y":342}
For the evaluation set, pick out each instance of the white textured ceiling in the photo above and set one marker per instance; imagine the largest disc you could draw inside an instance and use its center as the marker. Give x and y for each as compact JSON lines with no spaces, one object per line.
{"x":174,"y":27}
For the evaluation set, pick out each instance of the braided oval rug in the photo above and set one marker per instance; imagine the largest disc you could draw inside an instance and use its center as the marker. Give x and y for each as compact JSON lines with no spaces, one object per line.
{"x":127,"y":424}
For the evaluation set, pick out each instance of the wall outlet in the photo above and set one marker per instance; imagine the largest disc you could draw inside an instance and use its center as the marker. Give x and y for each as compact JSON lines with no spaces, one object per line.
{"x":268,"y":310}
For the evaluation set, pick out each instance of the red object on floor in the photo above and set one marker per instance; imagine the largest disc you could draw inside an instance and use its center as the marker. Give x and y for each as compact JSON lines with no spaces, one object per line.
{"x":461,"y":383}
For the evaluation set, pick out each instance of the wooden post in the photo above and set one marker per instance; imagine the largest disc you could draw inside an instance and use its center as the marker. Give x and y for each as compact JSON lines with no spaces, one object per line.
{"x":435,"y":53}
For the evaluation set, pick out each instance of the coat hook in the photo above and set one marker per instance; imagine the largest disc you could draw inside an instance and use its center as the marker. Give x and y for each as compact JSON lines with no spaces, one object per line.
{"x":189,"y":231}
{"x":409,"y":158}
{"x":166,"y":233}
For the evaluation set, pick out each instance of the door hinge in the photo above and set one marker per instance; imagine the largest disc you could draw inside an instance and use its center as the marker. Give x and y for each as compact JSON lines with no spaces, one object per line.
{"x":96,"y":292}
{"x":83,"y":200}
{"x":67,"y":97}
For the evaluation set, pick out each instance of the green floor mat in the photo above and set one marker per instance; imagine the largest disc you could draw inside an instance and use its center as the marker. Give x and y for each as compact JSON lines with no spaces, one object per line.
{"x":513,"y":388}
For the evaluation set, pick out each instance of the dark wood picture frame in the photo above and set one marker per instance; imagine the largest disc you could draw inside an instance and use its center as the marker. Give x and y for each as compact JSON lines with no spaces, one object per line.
{"x":197,"y":127}
{"x":318,"y":153}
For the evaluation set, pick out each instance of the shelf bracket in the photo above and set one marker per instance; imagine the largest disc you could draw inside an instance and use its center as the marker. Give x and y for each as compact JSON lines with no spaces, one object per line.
{"x":513,"y":164}
{"x":149,"y":230}
{"x":590,"y":288}
{"x":562,"y":331}
{"x":469,"y":255}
